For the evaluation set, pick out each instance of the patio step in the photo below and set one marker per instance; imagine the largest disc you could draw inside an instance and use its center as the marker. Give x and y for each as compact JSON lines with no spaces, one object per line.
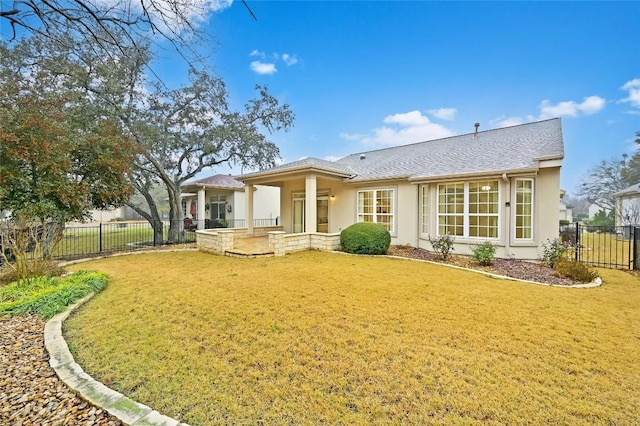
{"x":249,"y":254}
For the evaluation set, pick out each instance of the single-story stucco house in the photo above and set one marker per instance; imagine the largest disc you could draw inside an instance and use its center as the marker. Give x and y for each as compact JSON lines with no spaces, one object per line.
{"x":498,"y":185}
{"x":221,"y":198}
{"x":628,"y":206}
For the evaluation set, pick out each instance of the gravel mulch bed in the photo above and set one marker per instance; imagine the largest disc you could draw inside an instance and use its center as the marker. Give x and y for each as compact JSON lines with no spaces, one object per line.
{"x":30,"y":392}
{"x":508,"y":267}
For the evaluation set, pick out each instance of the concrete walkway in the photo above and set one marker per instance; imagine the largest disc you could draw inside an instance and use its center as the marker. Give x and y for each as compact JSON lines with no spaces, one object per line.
{"x":125,"y":409}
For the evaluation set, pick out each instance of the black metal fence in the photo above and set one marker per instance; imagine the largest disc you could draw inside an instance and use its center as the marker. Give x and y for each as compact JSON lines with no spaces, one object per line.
{"x":605,"y":246}
{"x":85,"y":240}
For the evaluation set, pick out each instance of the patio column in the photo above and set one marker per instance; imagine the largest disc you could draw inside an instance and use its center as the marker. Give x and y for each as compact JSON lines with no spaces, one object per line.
{"x":619,"y":220}
{"x":310,"y":204}
{"x":248,"y":191}
{"x":201,"y":203}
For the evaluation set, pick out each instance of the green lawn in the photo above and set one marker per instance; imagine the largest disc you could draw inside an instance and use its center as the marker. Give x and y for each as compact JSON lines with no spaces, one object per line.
{"x":324,"y":338}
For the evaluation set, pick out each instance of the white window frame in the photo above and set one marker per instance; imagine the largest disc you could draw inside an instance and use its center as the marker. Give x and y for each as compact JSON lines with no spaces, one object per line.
{"x":465,"y":214}
{"x":515,"y":209}
{"x":360,"y":214}
{"x":486,"y":214}
{"x":424,"y":209}
{"x":450,"y":214}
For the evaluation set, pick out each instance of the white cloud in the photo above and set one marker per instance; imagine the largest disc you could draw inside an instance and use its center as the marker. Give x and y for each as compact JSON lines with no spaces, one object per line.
{"x":589,"y":105}
{"x":443,"y":113}
{"x":289,"y":59}
{"x":169,"y":15}
{"x":633,"y":87}
{"x":351,"y":136}
{"x":263,"y":68}
{"x":506,"y":121}
{"x":411,"y":118}
{"x":406,"y":128}
{"x":592,"y":104}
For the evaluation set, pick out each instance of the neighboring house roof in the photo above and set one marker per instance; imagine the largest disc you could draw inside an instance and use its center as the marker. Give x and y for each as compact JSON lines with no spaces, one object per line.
{"x":631,"y":190}
{"x":514,"y":148}
{"x":216,"y":181}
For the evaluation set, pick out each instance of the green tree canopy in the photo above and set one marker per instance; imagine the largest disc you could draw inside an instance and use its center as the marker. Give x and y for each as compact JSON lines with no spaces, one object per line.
{"x":51,"y":165}
{"x":177,"y":132}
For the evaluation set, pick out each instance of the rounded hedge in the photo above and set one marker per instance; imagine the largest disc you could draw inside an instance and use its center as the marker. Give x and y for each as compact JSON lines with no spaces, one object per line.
{"x":365,"y":238}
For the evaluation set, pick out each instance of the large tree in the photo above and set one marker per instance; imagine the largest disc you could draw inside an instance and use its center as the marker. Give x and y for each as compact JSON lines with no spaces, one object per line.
{"x":178,"y":132}
{"x":56,"y":164}
{"x":185,"y":130}
{"x":610,"y":176}
{"x":603,"y":180}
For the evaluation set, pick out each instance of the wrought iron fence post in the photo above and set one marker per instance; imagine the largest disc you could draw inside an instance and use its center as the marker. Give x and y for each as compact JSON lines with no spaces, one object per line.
{"x":633,"y":250}
{"x":577,"y":241}
{"x":100,"y":236}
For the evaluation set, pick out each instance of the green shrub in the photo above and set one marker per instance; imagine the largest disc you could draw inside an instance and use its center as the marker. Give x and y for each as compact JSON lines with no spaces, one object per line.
{"x":568,"y":268}
{"x":484,"y":253}
{"x":365,"y":238}
{"x":552,"y":252}
{"x":49,"y":296}
{"x":442,"y":245}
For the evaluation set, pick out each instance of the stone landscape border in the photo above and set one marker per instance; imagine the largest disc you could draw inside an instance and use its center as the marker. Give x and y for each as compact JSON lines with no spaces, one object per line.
{"x":125,"y":409}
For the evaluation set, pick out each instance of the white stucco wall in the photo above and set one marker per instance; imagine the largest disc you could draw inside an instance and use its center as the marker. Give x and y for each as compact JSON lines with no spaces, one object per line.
{"x":266,"y":202}
{"x":545,"y":219}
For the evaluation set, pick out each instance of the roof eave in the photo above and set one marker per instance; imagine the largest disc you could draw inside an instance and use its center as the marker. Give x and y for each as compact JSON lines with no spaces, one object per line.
{"x":291,"y":171}
{"x":419,"y":179}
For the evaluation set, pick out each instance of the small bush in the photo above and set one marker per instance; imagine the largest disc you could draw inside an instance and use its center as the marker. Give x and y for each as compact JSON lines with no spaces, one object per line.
{"x":552,"y":252}
{"x":484,"y":253}
{"x":567,"y":268}
{"x":442,"y":245}
{"x":365,"y":238}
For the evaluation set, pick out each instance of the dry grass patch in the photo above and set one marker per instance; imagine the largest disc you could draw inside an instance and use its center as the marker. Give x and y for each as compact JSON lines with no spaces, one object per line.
{"x":322,"y":338}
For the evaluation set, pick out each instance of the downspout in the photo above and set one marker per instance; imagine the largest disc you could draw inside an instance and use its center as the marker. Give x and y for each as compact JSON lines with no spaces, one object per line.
{"x":507,"y":204}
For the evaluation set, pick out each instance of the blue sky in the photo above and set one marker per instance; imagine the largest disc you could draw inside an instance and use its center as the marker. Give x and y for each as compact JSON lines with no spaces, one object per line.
{"x":367,"y":75}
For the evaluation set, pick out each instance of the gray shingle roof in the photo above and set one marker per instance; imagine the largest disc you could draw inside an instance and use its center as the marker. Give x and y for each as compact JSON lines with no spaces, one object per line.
{"x":492,"y":151}
{"x":305,"y":164}
{"x":505,"y":149}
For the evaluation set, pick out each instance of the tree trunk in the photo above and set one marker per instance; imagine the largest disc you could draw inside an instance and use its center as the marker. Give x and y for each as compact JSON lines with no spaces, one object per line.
{"x":153,"y":217}
{"x":176,"y":222}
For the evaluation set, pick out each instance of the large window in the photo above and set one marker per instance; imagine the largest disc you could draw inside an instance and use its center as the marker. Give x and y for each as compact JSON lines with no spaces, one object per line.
{"x":524,"y":209}
{"x":424,"y":196}
{"x":376,"y":205}
{"x":483,"y":209}
{"x":469,"y":209}
{"x":451,"y":209}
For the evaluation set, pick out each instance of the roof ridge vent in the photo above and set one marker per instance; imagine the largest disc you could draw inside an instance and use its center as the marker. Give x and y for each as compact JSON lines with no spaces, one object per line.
{"x":363,"y":156}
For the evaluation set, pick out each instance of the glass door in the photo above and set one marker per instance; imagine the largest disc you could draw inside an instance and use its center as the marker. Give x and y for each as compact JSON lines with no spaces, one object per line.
{"x":322,"y":214}
{"x":298,"y":215}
